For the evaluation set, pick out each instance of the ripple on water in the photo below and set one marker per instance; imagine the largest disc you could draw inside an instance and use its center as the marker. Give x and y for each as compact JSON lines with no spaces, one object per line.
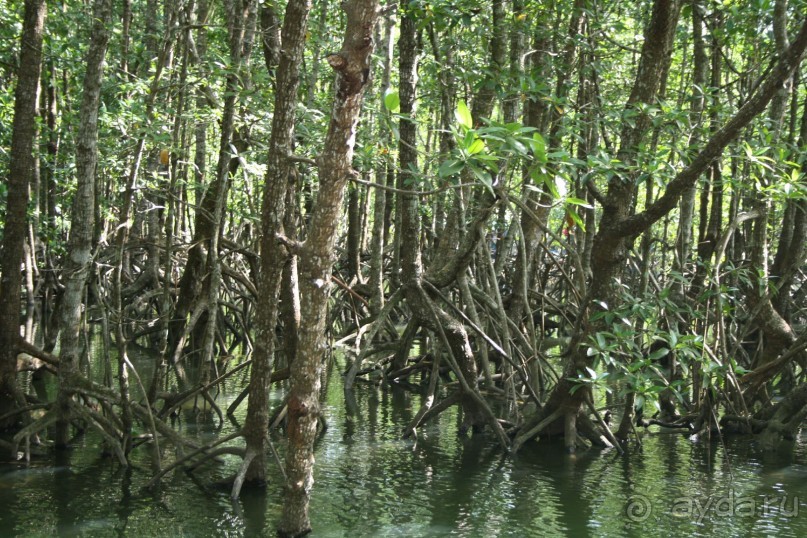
{"x":370,"y":482}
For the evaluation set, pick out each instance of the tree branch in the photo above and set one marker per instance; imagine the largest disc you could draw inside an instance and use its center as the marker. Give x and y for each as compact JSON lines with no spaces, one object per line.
{"x":636,"y":224}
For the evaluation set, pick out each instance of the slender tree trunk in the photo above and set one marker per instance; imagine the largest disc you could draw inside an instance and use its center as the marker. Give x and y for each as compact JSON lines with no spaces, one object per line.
{"x":539,"y":204}
{"x":352,"y":66}
{"x":610,"y":251}
{"x":21,"y":169}
{"x":274,"y":253}
{"x":79,"y":245}
{"x":792,"y":247}
{"x":450,"y":332}
{"x":48,"y":199}
{"x":354,"y":229}
{"x":239,"y":34}
{"x":711,"y":219}
{"x":687,"y":206}
{"x":380,"y":201}
{"x":779,"y":335}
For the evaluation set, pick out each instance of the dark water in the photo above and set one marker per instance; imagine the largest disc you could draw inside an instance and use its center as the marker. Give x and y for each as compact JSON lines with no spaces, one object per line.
{"x":369,"y":482}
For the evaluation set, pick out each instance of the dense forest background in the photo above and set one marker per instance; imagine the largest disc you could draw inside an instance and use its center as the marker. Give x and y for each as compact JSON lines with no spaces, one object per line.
{"x":568,"y":218}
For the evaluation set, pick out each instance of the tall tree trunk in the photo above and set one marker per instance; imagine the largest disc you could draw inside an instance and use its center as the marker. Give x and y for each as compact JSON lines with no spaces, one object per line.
{"x":21,"y":169}
{"x":539,"y":204}
{"x":687,"y":206}
{"x":711,"y":219}
{"x":274,"y":253}
{"x":354,"y":231}
{"x":48,"y":199}
{"x":793,"y":238}
{"x":380,"y":202}
{"x":610,"y":252}
{"x":451,"y":333}
{"x":239,"y":12}
{"x":79,"y":245}
{"x":352,"y":66}
{"x":778,"y":333}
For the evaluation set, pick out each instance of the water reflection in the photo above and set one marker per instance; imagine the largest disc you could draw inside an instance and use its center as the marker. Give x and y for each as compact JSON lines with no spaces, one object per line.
{"x":370,"y":482}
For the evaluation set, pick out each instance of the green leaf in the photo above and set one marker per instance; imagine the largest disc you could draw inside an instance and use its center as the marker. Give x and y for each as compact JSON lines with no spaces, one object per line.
{"x":673,"y":337}
{"x":490,"y":159}
{"x":600,"y":340}
{"x":518,"y":147}
{"x":482,"y":175}
{"x":538,"y":174}
{"x":552,"y":186}
{"x":538,"y":147}
{"x":476,"y":146}
{"x":463,"y":115}
{"x":470,"y":136}
{"x":450,"y":167}
{"x":657,"y":354}
{"x":576,"y":218}
{"x":578,"y":201}
{"x":531,"y":187}
{"x":392,"y":101}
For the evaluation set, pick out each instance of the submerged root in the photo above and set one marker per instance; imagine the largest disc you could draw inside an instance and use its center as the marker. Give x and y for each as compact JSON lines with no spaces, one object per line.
{"x":533,"y":431}
{"x":575,"y":426}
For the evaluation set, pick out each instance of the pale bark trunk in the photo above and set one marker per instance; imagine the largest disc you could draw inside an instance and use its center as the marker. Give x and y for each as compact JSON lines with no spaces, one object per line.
{"x":77,"y":262}
{"x":779,"y":335}
{"x":376,"y":277}
{"x":687,"y":205}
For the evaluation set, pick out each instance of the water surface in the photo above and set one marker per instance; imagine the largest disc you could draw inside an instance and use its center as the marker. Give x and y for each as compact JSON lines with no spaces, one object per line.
{"x":370,"y":482}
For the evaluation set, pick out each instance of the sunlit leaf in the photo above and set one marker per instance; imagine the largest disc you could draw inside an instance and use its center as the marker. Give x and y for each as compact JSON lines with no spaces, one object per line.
{"x":550,"y":184}
{"x":578,"y":201}
{"x":657,"y":354}
{"x":476,"y":146}
{"x":392,"y":101}
{"x":463,"y":115}
{"x":538,"y":147}
{"x":572,"y":214}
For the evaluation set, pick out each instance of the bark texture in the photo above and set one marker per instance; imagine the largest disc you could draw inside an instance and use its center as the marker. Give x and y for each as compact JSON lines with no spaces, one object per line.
{"x":79,"y":245}
{"x":273,"y":252}
{"x":21,"y":170}
{"x":352,"y":67}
